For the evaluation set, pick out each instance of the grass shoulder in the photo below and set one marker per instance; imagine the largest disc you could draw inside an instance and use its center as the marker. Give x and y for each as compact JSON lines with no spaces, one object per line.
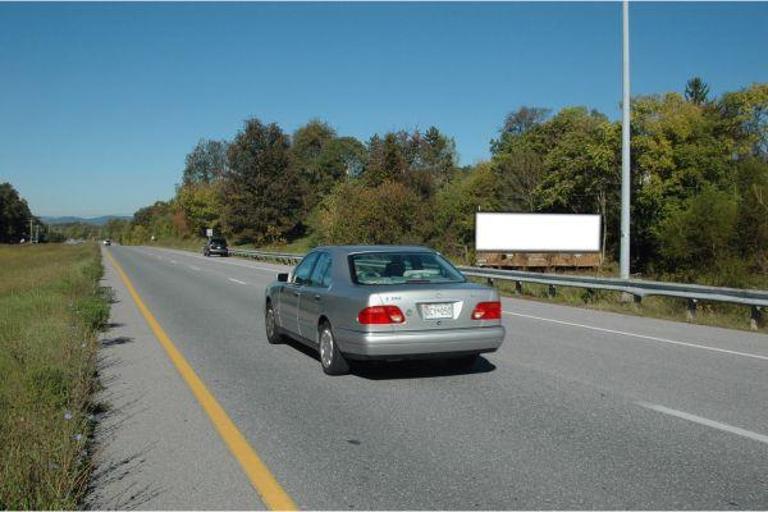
{"x":51,"y":309}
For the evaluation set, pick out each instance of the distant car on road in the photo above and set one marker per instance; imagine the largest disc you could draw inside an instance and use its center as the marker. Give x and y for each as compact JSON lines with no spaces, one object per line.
{"x":216,"y":246}
{"x":107,"y":242}
{"x":382,"y":302}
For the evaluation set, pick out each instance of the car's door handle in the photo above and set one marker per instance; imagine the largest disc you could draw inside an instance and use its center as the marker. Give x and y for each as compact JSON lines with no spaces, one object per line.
{"x":296,"y":294}
{"x":317,"y":297}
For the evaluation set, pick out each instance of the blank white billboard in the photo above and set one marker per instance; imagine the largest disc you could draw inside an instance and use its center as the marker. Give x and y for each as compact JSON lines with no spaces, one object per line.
{"x":537,"y":232}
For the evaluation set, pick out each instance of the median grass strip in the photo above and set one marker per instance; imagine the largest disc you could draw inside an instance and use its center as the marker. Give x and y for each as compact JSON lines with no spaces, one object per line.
{"x":51,"y":308}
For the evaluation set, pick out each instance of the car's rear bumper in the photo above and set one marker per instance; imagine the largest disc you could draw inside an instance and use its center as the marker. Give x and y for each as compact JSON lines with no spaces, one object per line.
{"x":220,"y":252}
{"x":388,"y":345}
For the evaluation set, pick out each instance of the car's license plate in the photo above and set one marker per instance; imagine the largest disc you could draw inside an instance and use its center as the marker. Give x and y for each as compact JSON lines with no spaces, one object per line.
{"x":437,"y":311}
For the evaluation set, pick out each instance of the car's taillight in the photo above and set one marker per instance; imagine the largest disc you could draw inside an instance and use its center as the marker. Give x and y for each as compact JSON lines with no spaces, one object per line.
{"x":487,"y":311}
{"x":381,"y":315}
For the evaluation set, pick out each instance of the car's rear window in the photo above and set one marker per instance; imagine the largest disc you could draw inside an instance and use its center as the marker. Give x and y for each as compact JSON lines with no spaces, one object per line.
{"x":381,"y":268}
{"x":218,"y":241}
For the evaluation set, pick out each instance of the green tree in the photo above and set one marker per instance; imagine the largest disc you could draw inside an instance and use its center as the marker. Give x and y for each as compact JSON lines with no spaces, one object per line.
{"x":698,"y":234}
{"x":386,"y":159}
{"x":115,"y":228}
{"x":343,"y":156}
{"x":202,"y":205}
{"x":158,"y":221}
{"x":434,"y":160}
{"x":696,"y":91}
{"x":678,"y":149}
{"x":518,"y":124}
{"x":14,"y":215}
{"x":582,"y":169}
{"x":262,"y":204}
{"x":752,"y":230}
{"x":422,"y":161}
{"x":322,"y":159}
{"x":745,"y":119}
{"x":519,"y":174}
{"x":206,"y":162}
{"x":455,"y":206}
{"x":355,"y":213}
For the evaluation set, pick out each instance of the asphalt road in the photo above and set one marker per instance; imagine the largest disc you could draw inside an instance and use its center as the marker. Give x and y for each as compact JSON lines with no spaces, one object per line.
{"x":578,"y":410}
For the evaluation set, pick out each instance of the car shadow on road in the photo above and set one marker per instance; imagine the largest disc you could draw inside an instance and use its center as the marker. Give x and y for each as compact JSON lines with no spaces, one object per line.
{"x":418,"y":369}
{"x":409,"y":369}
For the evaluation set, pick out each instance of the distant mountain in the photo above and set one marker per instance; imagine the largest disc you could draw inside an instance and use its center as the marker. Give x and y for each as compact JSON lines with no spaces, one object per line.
{"x":97,"y":221}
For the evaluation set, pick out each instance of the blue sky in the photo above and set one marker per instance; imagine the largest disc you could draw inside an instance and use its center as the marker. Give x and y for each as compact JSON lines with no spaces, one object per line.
{"x":99,"y":103}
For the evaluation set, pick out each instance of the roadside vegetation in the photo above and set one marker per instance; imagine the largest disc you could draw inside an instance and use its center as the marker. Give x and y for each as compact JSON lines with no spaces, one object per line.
{"x":732,"y":316}
{"x":51,"y":308}
{"x":699,"y":186}
{"x":14,"y":216}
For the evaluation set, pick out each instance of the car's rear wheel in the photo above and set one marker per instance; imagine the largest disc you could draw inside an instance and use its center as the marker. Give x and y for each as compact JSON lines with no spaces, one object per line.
{"x":330,"y":356}
{"x":273,"y":334}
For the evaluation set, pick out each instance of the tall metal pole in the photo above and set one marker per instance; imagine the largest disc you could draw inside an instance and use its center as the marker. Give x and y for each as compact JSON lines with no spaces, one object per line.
{"x":625,"y":178}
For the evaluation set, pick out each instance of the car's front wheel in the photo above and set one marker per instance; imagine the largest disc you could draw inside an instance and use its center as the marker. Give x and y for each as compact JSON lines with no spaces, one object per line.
{"x":273,"y":335}
{"x":330,"y":356}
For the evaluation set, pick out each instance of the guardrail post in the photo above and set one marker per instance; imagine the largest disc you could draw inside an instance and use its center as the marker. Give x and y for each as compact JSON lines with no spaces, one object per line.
{"x":756,"y":318}
{"x":551,"y":290}
{"x":638,"y":299}
{"x":690,"y":314}
{"x":519,"y":287}
{"x":489,"y":280}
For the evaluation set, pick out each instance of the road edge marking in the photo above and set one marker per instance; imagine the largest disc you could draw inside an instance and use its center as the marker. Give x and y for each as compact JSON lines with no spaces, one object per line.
{"x":640,"y":336}
{"x":724,"y":427}
{"x":269,"y":489}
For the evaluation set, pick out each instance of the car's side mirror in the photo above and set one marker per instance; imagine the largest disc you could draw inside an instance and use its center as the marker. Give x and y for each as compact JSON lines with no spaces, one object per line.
{"x":282,"y":277}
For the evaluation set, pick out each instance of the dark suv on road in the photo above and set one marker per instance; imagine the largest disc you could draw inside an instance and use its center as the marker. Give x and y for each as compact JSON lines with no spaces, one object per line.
{"x":216,"y":246}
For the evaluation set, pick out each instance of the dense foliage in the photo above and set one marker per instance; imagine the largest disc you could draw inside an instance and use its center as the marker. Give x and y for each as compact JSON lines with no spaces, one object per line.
{"x":14,"y":215}
{"x":699,"y":189}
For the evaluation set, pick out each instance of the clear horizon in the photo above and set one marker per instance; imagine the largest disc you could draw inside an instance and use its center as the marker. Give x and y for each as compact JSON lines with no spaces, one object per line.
{"x":105,"y":100}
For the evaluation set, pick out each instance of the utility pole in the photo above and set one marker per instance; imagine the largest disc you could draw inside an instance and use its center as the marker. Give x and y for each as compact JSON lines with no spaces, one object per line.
{"x":625,"y":176}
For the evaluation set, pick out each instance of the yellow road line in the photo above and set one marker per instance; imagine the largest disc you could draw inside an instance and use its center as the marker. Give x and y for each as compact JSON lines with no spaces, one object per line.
{"x":262,"y":479}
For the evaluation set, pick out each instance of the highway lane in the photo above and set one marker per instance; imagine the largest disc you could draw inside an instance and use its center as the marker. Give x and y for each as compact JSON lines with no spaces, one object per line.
{"x":564,"y":416}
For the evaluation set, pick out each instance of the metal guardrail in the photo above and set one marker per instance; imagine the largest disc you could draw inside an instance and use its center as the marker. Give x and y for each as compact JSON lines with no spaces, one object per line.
{"x":282,"y":257}
{"x":637,"y":288}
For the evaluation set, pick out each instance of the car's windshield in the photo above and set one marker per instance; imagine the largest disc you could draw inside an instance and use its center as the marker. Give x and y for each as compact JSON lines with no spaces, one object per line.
{"x":218,"y":241}
{"x":402,"y":268}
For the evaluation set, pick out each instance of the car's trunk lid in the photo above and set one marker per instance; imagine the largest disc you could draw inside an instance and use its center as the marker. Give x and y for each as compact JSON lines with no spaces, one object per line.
{"x":436,"y":306}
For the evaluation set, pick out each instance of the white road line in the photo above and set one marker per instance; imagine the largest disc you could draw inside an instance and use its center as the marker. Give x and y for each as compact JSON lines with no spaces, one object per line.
{"x":254,"y":267}
{"x":236,"y":280}
{"x":223,"y":261}
{"x":641,"y":336}
{"x":704,"y":421}
{"x":193,"y":267}
{"x":174,"y":261}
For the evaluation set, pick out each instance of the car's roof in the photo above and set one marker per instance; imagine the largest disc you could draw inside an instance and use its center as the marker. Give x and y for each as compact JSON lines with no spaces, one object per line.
{"x":354,"y":249}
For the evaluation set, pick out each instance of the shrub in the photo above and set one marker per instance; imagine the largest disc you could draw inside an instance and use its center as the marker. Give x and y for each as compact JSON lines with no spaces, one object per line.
{"x":355,"y":213}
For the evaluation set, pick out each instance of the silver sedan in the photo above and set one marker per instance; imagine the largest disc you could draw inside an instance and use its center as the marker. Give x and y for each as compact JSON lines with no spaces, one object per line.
{"x":382,"y":302}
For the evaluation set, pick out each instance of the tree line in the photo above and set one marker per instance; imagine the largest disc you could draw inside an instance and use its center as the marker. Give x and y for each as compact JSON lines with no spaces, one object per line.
{"x":14,"y":216}
{"x":699,"y":183}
